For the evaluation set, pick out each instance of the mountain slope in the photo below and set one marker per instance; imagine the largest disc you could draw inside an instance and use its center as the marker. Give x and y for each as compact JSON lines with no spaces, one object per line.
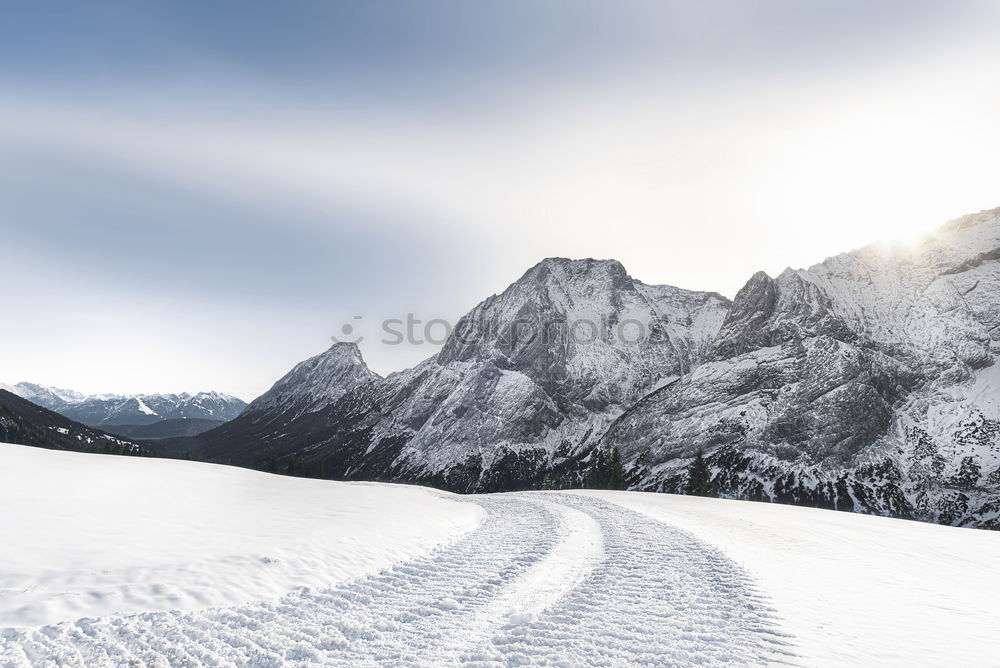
{"x":317,"y":382}
{"x":284,"y":419}
{"x":174,"y":428}
{"x":867,"y":382}
{"x":25,"y":423}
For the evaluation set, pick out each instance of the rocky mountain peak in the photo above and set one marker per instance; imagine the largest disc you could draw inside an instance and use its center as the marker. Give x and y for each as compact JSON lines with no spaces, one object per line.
{"x":318,"y":381}
{"x":560,"y":270}
{"x":346,"y":351}
{"x":585,"y":331}
{"x":753,"y":306}
{"x":549,"y":296}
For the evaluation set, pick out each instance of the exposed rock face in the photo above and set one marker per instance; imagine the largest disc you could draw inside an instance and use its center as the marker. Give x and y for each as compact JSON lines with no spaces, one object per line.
{"x":867,"y":382}
{"x":585,"y":332}
{"x":317,"y":382}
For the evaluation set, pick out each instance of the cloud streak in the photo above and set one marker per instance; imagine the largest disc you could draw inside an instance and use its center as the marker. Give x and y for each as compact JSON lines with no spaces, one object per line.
{"x":302,"y":167}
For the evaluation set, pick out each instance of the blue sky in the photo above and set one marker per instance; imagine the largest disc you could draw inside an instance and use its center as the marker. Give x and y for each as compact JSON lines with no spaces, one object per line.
{"x":196,"y":195}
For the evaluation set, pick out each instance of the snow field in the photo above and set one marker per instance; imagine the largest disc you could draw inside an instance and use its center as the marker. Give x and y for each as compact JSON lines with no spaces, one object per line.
{"x":643,"y":594}
{"x":94,"y":535}
{"x":854,"y":589}
{"x":108,"y":561}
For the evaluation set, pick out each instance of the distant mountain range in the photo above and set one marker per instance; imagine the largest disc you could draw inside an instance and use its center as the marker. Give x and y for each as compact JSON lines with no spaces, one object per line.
{"x":26,"y":423}
{"x":121,"y":414}
{"x":867,"y":382}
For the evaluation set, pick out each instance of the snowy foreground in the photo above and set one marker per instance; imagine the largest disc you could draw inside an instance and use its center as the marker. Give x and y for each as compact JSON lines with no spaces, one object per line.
{"x":114,"y":560}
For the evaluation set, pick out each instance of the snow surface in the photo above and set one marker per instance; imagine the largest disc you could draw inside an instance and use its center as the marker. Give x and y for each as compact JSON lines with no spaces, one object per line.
{"x":545,"y":579}
{"x":93,"y":535}
{"x":128,"y":561}
{"x":855,"y":589}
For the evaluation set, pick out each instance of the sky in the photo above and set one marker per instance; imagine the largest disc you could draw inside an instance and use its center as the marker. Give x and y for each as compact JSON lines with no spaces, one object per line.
{"x":196,"y":196}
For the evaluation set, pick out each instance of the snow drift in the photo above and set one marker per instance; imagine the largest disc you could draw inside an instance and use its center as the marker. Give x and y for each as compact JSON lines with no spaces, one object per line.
{"x":91,"y":535}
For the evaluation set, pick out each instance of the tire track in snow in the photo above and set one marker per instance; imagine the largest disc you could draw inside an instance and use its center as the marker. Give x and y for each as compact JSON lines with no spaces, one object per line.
{"x":579,"y":549}
{"x":660,"y":597}
{"x":546,"y":579}
{"x":409,"y":615}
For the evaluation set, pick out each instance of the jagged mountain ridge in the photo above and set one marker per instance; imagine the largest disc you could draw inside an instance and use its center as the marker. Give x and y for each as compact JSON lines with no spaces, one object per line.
{"x":316,"y":382}
{"x":114,"y":409}
{"x":511,"y":395}
{"x":149,"y":409}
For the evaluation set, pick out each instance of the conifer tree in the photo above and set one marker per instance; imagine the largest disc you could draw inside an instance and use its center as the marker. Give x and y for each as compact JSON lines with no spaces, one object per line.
{"x":616,"y":476}
{"x":605,"y":470}
{"x":699,"y":482}
{"x":595,"y":474}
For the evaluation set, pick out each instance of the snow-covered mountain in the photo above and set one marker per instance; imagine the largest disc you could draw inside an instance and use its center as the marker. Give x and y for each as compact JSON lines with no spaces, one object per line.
{"x":150,"y":408}
{"x":867,"y":382}
{"x":523,"y":385}
{"x":115,"y":409}
{"x":52,"y":398}
{"x":317,"y":382}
